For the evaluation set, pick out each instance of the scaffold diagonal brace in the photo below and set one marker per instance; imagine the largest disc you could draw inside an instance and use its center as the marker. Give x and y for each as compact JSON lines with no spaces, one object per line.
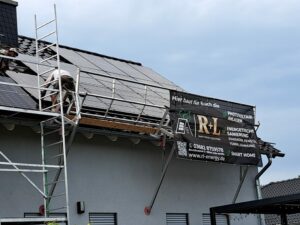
{"x":147,"y":209}
{"x":17,"y":169}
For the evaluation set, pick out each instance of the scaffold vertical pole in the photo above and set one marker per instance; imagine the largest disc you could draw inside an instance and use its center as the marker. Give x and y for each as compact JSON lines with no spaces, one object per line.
{"x":53,"y":130}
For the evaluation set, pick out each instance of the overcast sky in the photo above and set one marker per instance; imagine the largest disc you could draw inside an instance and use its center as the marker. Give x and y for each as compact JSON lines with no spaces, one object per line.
{"x":246,"y":51}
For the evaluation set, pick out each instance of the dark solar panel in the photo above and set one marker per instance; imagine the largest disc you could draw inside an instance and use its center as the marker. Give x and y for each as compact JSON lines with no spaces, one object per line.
{"x":14,"y":96}
{"x":25,"y":79}
{"x":157,"y":78}
{"x":94,"y":102}
{"x":104,"y":86}
{"x":100,"y":72}
{"x":27,"y":59}
{"x":77,"y":60}
{"x":102,"y":63}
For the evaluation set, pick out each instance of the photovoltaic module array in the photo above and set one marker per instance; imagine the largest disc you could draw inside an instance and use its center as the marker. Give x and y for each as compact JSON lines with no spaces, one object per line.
{"x":13,"y":96}
{"x":100,"y":75}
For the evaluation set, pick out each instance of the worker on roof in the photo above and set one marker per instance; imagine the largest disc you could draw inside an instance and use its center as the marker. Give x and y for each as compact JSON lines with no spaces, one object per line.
{"x":68,"y":87}
{"x":4,"y":62}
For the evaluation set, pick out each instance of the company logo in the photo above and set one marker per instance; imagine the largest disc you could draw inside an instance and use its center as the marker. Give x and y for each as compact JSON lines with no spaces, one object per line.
{"x":208,"y":125}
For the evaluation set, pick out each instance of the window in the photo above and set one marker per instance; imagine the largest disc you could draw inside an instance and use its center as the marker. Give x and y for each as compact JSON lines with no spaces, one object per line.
{"x":177,"y":219}
{"x":103,"y":218}
{"x":221,"y":219}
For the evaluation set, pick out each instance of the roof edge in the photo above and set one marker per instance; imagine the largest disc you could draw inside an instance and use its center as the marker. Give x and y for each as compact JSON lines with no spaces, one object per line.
{"x":10,"y":2}
{"x":280,"y":181}
{"x":88,"y":52}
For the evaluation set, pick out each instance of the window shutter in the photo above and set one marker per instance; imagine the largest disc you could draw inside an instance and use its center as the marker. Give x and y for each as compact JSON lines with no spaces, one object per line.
{"x":103,"y":218}
{"x":177,"y":219}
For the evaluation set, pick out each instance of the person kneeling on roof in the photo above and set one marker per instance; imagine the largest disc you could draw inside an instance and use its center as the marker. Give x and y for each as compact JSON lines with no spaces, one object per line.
{"x":4,"y":62}
{"x":68,"y":87}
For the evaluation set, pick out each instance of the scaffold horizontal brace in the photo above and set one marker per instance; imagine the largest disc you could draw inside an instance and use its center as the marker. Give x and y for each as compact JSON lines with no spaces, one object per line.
{"x":42,"y":219}
{"x":29,"y":111}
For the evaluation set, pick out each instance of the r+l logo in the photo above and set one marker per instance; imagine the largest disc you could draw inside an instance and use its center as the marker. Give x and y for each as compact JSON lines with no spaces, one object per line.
{"x":208,"y":126}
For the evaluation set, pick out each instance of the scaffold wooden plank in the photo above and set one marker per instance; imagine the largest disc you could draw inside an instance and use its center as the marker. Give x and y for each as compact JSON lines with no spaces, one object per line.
{"x":116,"y":125}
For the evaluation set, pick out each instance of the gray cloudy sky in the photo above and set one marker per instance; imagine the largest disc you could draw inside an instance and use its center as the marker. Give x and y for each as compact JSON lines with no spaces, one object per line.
{"x":246,"y":51}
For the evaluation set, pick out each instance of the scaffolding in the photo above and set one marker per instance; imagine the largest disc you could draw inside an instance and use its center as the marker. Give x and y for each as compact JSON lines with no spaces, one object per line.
{"x":59,"y":128}
{"x":54,"y":146}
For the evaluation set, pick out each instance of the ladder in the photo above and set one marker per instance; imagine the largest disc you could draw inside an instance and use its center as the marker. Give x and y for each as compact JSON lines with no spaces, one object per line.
{"x":57,"y":132}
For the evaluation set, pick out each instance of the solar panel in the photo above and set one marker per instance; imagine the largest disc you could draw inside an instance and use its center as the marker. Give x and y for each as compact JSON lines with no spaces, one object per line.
{"x":25,"y":79}
{"x":14,"y":96}
{"x":98,"y":79}
{"x":123,"y":90}
{"x":96,"y":103}
{"x":130,"y":71}
{"x":153,"y":112}
{"x":100,"y":85}
{"x":157,"y":78}
{"x":104,"y":65}
{"x":104,"y":86}
{"x":27,"y":58}
{"x":161,"y":95}
{"x":124,"y":107}
{"x":92,"y":101}
{"x":76,"y":59}
{"x":93,"y":86}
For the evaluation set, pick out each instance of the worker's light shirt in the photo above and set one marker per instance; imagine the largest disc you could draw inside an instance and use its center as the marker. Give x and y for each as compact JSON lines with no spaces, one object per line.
{"x":55,"y":74}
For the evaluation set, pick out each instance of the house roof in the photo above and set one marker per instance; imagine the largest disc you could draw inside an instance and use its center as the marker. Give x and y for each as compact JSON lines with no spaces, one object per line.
{"x":102,"y":75}
{"x":99,"y":73}
{"x":289,"y":204}
{"x":9,"y":2}
{"x":281,"y":188}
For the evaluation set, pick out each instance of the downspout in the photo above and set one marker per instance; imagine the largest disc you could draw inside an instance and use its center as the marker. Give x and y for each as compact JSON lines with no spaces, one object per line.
{"x":257,"y":183}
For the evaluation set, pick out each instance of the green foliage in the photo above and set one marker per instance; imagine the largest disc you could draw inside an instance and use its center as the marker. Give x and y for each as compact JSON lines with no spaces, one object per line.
{"x":52,"y":223}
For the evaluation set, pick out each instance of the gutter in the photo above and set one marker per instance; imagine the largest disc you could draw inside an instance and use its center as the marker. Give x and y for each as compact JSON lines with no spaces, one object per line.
{"x":257,"y":184}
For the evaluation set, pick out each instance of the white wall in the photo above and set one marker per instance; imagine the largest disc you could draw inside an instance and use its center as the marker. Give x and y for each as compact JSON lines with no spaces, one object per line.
{"x":121,"y":177}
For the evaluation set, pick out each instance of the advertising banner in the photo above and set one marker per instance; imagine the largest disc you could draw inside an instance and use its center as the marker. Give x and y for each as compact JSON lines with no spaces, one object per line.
{"x":213,"y":130}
